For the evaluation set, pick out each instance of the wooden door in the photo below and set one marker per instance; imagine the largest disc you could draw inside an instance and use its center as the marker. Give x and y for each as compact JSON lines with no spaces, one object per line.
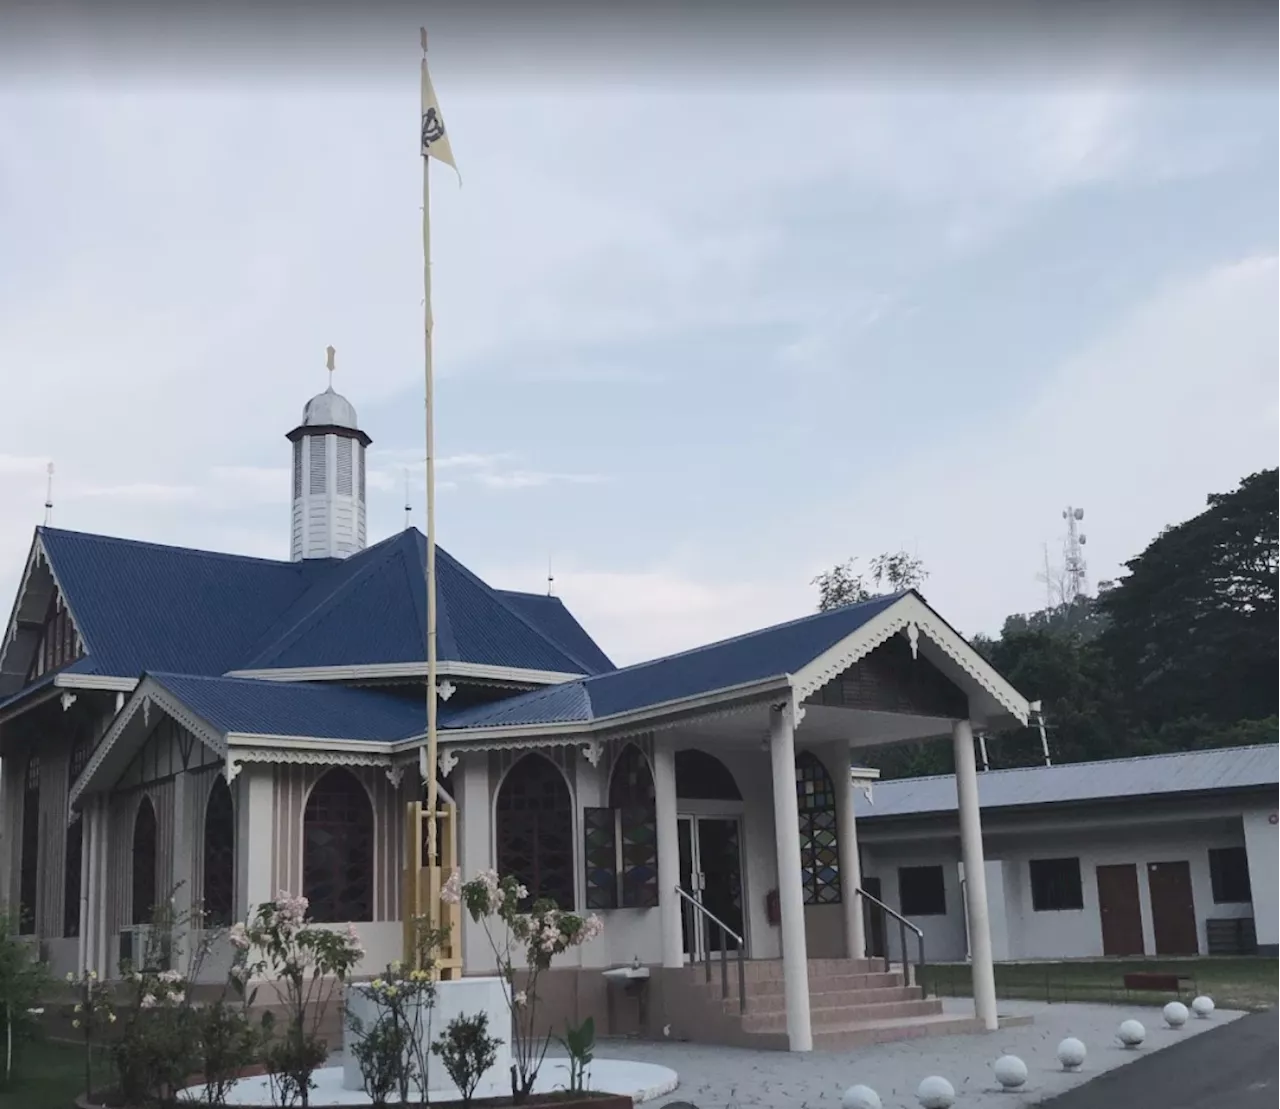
{"x":1173,"y":908}
{"x":1120,"y":910}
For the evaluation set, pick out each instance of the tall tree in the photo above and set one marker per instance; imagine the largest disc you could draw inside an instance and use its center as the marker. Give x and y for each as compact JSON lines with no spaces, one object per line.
{"x":844,"y":585}
{"x":1192,"y":628}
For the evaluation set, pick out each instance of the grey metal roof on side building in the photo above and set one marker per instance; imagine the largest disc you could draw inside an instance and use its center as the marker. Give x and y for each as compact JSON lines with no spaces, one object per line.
{"x":1226,"y":768}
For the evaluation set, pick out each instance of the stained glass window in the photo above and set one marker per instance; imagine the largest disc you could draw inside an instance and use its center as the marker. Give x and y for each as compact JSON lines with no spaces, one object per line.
{"x":27,"y":882}
{"x":631,"y":795}
{"x":219,"y":855}
{"x":535,"y":830}
{"x":337,"y":849}
{"x":600,"y":854}
{"x":819,"y":845}
{"x":144,"y":862}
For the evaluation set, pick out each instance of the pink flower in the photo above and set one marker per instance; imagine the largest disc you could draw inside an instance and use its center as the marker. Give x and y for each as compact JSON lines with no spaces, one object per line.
{"x":451,"y":891}
{"x":239,"y":937}
{"x":148,"y":1001}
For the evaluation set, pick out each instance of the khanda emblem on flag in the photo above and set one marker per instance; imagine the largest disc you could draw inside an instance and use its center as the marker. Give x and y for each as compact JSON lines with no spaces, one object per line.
{"x":432,"y":128}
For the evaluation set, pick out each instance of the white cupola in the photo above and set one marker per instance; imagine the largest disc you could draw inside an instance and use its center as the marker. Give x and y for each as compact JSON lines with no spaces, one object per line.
{"x":328,"y":477}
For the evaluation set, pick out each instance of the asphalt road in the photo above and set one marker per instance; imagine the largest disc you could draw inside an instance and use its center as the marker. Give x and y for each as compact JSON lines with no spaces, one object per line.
{"x":1232,"y":1067}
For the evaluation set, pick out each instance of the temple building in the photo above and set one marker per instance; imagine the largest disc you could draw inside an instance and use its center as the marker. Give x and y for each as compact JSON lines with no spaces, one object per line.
{"x":232,"y":726}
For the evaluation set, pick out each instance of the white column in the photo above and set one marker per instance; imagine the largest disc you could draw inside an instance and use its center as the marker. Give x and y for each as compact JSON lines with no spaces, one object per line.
{"x":255,"y":837}
{"x":786,"y":822}
{"x":664,"y":794}
{"x":186,"y":896}
{"x":855,"y":941}
{"x":476,"y":850}
{"x":102,"y":960}
{"x":975,"y":876}
{"x":86,"y":870}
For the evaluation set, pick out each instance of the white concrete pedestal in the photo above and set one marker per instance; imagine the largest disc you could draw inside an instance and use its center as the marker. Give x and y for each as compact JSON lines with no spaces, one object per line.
{"x":465,"y":997}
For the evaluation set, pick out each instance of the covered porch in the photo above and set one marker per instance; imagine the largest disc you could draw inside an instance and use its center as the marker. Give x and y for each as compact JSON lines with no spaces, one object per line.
{"x":725,"y":818}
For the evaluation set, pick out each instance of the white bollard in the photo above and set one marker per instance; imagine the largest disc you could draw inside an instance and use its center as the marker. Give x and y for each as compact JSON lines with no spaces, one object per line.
{"x":1131,"y":1033}
{"x":936,"y":1092}
{"x":860,"y":1097}
{"x":1071,"y":1053}
{"x":1011,"y":1072}
{"x":1203,"y":1007}
{"x":1175,"y":1014}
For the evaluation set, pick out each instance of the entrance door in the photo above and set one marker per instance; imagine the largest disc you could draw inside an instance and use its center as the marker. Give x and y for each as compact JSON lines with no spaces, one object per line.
{"x":1173,"y":908}
{"x":711,"y":870}
{"x":1120,"y":910}
{"x":873,"y":919}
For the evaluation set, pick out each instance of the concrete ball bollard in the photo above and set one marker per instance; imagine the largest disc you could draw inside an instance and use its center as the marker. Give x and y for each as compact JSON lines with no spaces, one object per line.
{"x":1175,"y":1014}
{"x":1131,"y":1033}
{"x":1011,"y":1072}
{"x":936,"y":1092}
{"x":1203,"y":1007}
{"x":860,"y":1097}
{"x":1071,"y":1053}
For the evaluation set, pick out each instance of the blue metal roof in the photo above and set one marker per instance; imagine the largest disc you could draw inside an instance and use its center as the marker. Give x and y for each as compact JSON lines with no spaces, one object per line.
{"x":318,"y":710}
{"x":143,"y":606}
{"x":772,"y":652}
{"x":556,"y":622}
{"x":1109,"y":779}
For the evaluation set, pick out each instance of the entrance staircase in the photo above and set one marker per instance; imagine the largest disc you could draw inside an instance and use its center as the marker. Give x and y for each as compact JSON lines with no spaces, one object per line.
{"x":852,"y":1002}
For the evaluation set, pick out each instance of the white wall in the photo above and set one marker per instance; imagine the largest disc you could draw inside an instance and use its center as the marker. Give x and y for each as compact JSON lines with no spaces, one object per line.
{"x":1260,"y":830}
{"x":1077,"y":933}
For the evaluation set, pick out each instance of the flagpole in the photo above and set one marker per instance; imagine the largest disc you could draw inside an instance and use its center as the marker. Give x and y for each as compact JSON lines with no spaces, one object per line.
{"x":428,"y":326}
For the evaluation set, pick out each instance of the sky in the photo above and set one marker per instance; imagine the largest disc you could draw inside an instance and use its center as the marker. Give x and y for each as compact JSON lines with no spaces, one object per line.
{"x":716,"y":307}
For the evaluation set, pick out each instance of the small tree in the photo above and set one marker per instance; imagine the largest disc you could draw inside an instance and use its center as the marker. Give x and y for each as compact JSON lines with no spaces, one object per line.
{"x":92,"y":1015}
{"x":467,"y":1051}
{"x":24,"y":980}
{"x":844,"y":585}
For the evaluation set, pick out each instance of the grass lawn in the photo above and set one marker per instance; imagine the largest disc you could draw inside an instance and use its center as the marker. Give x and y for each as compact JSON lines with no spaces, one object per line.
{"x":48,"y":1075}
{"x":1233,"y":983}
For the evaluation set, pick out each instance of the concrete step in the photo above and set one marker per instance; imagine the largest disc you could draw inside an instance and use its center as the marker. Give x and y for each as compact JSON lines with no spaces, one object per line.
{"x":841,"y":1017}
{"x":827,"y":999}
{"x":772,"y":986}
{"x":762,"y":970}
{"x":861,"y":1033}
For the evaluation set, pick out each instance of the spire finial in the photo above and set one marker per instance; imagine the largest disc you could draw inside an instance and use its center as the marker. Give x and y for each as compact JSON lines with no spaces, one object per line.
{"x":329,"y":353}
{"x":48,"y":498}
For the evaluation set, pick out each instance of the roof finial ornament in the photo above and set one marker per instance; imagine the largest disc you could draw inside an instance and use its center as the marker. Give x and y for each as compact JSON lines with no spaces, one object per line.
{"x":48,"y":498}
{"x":551,"y":581}
{"x":329,"y":352}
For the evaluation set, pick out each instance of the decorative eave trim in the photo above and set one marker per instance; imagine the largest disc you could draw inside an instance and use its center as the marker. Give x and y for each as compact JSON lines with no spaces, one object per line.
{"x":237,"y":756}
{"x":911,"y":615}
{"x":107,"y":682}
{"x":149,"y":692}
{"x":467,"y":671}
{"x":35,"y":557}
{"x":237,"y":740}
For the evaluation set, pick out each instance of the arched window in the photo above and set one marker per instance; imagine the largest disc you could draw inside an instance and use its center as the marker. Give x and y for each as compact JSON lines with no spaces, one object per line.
{"x":144,"y":862}
{"x":535,"y":830}
{"x":631,"y":796}
{"x":27,"y":881}
{"x":704,"y":777}
{"x":337,"y":849}
{"x":75,"y":843}
{"x":819,"y":846}
{"x":219,"y":855}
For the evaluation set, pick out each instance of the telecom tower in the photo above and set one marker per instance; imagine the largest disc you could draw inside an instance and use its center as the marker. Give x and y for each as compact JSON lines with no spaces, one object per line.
{"x":1073,"y":555}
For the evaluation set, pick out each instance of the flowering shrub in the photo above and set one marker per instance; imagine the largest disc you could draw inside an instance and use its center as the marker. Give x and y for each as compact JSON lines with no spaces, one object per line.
{"x":308,"y":964}
{"x":92,"y":1015}
{"x":394,"y":1048}
{"x":539,"y":936}
{"x":467,"y":1050}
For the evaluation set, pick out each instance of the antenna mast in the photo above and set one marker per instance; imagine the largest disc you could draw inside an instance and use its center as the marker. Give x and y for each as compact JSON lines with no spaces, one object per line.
{"x":48,"y":498}
{"x":1073,"y":555}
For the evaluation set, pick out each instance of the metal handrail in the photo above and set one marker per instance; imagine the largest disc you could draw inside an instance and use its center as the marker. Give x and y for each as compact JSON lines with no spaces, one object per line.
{"x":706,"y":916}
{"x":903,"y":925}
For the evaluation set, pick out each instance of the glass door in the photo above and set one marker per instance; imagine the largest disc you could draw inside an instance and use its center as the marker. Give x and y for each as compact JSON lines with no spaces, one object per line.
{"x":711,"y":870}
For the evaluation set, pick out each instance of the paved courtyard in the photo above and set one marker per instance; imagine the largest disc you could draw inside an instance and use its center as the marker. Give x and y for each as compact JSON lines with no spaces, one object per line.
{"x":732,"y":1078}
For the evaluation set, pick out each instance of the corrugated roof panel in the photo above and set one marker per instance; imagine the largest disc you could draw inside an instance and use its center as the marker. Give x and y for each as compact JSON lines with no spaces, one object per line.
{"x":556,"y":704}
{"x":315,"y":710}
{"x":1149,"y":775}
{"x":557,"y":623}
{"x":772,"y":652}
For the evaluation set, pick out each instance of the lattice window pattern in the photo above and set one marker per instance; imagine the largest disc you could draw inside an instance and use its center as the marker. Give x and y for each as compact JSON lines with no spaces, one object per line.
{"x":600,"y":854}
{"x":535,"y":830}
{"x":819,"y":842}
{"x":144,"y":862}
{"x":74,"y":852}
{"x":318,"y":462}
{"x":297,"y":468}
{"x":30,"y":858}
{"x":337,"y":849}
{"x":219,"y":855}
{"x":58,"y":644}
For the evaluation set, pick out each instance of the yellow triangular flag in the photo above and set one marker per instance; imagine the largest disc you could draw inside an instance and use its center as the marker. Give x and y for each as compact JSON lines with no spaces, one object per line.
{"x":435,"y":140}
